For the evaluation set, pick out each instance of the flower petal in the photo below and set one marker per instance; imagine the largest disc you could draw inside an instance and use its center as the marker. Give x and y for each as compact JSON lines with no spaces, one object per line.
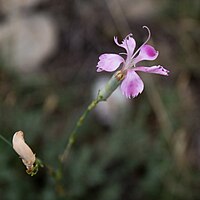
{"x":132,"y":85}
{"x":109,"y":62}
{"x":147,"y":52}
{"x":128,"y":43}
{"x":154,"y":69}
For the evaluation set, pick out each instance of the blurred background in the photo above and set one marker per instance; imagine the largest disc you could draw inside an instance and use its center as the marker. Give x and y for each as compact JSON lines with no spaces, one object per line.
{"x":139,"y":149}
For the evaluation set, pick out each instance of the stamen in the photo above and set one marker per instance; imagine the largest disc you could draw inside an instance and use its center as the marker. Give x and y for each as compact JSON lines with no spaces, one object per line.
{"x":148,"y":38}
{"x":149,"y":32}
{"x":123,"y":54}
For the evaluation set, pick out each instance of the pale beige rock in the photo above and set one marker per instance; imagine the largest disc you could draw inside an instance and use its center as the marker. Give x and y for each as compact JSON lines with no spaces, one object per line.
{"x":8,"y":6}
{"x":26,"y":42}
{"x":23,"y":150}
{"x":112,"y":110}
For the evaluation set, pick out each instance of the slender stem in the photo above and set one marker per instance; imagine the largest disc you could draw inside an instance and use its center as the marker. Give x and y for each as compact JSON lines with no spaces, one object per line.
{"x":79,"y":123}
{"x":103,"y":94}
{"x":5,"y":140}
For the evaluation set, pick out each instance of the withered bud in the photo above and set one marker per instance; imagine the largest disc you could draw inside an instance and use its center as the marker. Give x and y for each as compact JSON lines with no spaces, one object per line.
{"x":23,"y":150}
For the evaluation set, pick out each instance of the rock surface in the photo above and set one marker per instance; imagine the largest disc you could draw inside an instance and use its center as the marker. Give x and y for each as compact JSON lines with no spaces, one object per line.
{"x":25,"y":42}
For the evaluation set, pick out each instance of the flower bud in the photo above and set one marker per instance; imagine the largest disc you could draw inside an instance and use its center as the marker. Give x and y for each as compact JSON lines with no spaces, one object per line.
{"x":23,"y":150}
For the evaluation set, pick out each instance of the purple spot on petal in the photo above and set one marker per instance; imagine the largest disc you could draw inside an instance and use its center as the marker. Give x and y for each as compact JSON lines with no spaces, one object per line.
{"x":150,"y":51}
{"x":131,"y":86}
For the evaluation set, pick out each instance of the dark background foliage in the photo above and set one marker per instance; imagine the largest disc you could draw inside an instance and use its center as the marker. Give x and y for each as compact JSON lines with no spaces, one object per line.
{"x":150,"y":153}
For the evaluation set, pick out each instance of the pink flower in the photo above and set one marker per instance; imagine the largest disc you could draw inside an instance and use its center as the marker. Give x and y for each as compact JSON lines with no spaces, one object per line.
{"x":132,"y":84}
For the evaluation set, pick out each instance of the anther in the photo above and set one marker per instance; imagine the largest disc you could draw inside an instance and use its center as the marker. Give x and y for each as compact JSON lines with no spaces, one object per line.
{"x":119,"y":75}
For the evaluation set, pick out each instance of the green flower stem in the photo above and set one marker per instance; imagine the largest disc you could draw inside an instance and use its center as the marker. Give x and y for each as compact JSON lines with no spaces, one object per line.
{"x":5,"y":140}
{"x":111,"y":86}
{"x":79,"y":123}
{"x":103,"y":94}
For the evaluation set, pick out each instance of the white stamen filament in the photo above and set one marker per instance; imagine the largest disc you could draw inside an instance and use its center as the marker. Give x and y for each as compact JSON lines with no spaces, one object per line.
{"x":149,"y":36}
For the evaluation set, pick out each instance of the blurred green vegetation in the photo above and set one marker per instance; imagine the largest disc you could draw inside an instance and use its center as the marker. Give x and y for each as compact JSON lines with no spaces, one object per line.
{"x":152,"y":153}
